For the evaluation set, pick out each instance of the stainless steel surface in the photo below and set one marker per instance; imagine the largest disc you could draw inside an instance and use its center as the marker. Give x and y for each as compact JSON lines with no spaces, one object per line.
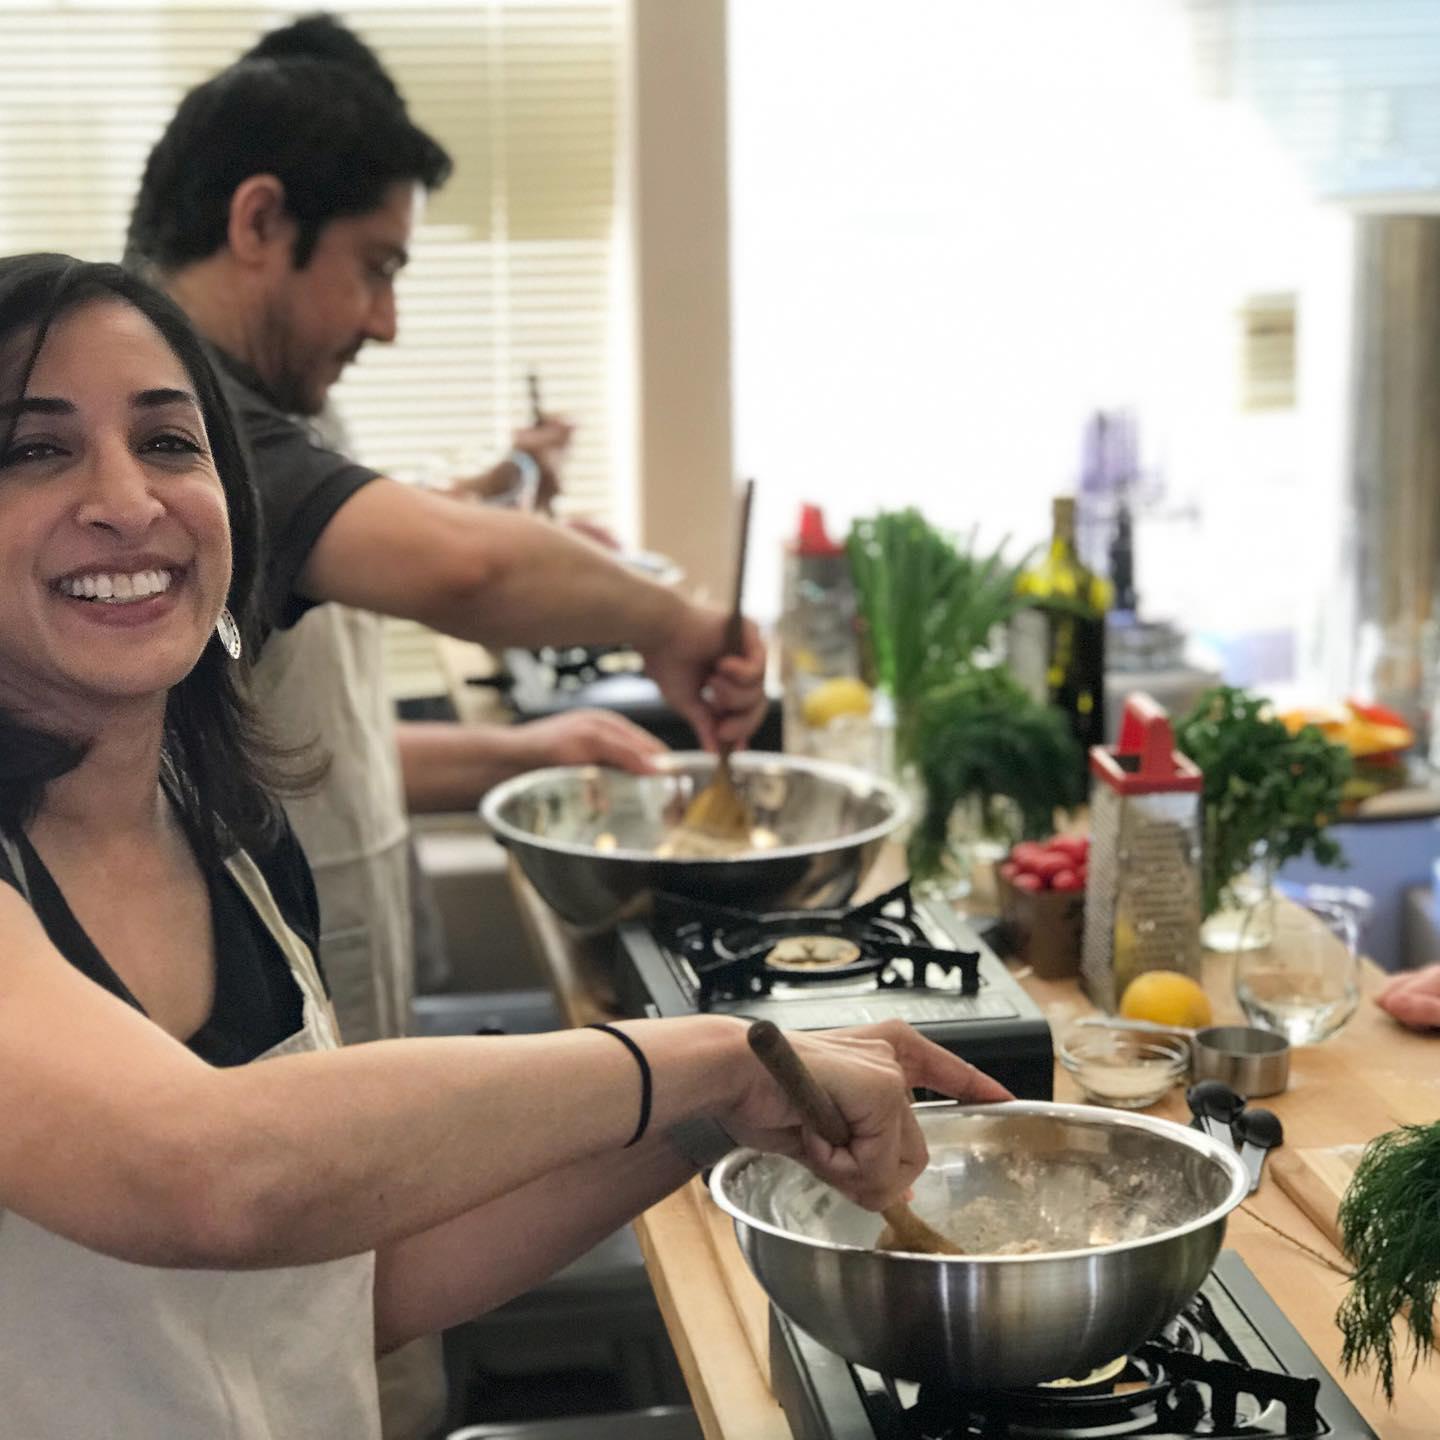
{"x":1132,"y":1208}
{"x":1251,"y":1061}
{"x":586,"y":837}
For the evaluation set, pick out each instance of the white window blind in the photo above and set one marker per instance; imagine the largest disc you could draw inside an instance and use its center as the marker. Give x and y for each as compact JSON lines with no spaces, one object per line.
{"x":514,"y":265}
{"x":1352,"y":88}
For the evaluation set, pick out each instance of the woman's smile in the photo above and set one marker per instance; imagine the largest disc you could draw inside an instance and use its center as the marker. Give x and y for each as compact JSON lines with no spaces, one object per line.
{"x":124,"y":597}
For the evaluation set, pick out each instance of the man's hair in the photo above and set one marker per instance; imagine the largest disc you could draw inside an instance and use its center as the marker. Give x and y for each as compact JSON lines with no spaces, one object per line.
{"x":310,"y":104}
{"x":216,"y":758}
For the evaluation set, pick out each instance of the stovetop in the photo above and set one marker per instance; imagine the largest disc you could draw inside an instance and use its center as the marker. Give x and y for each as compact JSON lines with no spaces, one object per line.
{"x":817,"y":969}
{"x":1230,"y":1367}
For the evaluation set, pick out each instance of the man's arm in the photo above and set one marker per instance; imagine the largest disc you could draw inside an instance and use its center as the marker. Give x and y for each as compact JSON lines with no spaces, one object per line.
{"x":448,"y":767}
{"x":499,"y":577}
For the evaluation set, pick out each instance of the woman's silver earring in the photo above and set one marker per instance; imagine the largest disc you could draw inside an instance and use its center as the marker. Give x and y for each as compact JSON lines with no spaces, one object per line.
{"x":229,"y":633}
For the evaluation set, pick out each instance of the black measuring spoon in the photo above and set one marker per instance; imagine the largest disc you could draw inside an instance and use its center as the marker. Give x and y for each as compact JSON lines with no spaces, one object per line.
{"x":1214,"y":1106}
{"x":1258,"y":1132}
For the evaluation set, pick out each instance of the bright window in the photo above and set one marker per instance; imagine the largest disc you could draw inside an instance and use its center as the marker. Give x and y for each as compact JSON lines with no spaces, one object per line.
{"x":961,"y":228}
{"x":514,"y":266}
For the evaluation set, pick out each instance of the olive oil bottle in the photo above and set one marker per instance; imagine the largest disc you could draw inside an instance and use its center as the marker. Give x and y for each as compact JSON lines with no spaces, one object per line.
{"x":1057,"y":638}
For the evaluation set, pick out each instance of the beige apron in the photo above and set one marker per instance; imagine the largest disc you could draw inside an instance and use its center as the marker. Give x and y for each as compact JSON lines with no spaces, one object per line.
{"x":90,"y":1345}
{"x":322,"y":681}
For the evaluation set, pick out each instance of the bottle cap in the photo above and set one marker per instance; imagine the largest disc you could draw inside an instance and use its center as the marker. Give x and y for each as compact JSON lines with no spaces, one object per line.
{"x":811,"y":538}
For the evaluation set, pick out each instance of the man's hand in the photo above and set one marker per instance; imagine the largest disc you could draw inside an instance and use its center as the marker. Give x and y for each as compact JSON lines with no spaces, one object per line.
{"x":547,"y":444}
{"x":722,"y":696}
{"x":1413,"y":998}
{"x":869,"y":1072}
{"x":585,"y":737}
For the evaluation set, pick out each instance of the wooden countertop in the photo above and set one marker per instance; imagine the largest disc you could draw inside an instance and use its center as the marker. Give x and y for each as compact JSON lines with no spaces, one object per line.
{"x":1371,"y":1077}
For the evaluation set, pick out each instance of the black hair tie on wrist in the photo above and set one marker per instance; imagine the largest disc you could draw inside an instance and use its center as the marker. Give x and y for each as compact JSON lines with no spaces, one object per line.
{"x":646,"y":1080}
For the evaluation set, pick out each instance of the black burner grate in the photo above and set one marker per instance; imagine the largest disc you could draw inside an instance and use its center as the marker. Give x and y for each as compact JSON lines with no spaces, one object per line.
{"x":728,"y":949}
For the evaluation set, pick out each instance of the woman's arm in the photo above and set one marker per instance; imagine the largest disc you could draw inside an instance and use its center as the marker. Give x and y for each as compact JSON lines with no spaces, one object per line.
{"x":489,"y":1255}
{"x":114,"y":1135}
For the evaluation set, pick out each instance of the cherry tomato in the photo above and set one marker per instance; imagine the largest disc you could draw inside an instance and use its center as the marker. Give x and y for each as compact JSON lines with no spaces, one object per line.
{"x":1077,"y":847}
{"x":1026,"y":881}
{"x":1048,"y":865}
{"x":1067,"y":881}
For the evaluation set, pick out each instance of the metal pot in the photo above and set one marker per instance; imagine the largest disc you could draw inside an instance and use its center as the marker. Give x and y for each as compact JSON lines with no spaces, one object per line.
{"x":586,"y":837}
{"x":1130,"y":1209}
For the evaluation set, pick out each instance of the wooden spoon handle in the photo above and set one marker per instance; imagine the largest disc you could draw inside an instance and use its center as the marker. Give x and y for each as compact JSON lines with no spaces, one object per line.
{"x":777,"y":1055}
{"x":735,"y":626}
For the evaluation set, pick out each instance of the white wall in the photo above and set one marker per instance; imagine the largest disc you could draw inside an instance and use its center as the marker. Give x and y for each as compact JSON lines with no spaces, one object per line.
{"x":959,"y":227}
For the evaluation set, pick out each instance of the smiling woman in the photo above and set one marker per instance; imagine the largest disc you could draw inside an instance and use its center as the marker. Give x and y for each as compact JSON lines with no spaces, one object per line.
{"x":257,"y":1231}
{"x":60,"y":419}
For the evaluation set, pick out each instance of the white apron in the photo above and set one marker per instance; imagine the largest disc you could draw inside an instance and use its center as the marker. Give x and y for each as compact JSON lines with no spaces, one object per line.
{"x":90,"y":1345}
{"x":323,"y":681}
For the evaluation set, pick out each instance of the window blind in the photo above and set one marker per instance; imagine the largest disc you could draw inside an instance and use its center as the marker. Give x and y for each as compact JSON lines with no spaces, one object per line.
{"x":513,"y":266}
{"x":1351,"y":87}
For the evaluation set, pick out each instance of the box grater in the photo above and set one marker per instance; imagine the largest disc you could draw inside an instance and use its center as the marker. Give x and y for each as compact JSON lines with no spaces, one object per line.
{"x":1142,"y":891}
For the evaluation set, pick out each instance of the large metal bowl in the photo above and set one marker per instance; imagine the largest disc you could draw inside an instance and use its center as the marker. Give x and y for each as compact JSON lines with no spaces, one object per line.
{"x":586,"y":837}
{"x":1131,"y":1211}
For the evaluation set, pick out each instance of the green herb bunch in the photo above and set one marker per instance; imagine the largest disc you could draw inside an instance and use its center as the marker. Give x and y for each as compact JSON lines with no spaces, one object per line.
{"x":927,"y":604}
{"x":983,"y":736}
{"x":1263,"y":786}
{"x":1390,"y":1228}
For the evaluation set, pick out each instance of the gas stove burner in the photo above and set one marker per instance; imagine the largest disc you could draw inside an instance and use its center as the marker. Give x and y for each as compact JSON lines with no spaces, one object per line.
{"x":737,"y":955}
{"x":812,"y":954}
{"x":892,"y":958}
{"x":573,"y":666}
{"x":1137,"y":1397}
{"x":1097,"y":1379}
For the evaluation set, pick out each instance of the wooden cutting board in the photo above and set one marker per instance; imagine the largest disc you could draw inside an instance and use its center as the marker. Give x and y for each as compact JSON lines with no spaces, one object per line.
{"x":1316,"y":1180}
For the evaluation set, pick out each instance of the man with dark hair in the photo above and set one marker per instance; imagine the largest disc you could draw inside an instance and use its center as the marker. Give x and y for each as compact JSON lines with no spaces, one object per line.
{"x":277,"y":209}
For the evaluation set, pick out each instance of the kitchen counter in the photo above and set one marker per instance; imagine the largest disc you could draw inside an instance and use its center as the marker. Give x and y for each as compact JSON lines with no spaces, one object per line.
{"x":1371,"y":1077}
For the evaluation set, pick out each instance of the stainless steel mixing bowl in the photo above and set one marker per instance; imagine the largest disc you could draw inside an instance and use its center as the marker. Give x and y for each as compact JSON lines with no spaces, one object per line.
{"x":586,"y":837}
{"x":1130,"y":1212}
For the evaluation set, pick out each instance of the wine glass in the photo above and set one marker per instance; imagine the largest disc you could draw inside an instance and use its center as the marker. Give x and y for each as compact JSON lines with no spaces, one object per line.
{"x":1304,"y":983}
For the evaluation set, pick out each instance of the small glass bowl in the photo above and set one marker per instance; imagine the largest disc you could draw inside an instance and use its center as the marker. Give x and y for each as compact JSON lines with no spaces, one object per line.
{"x":1124,"y":1069}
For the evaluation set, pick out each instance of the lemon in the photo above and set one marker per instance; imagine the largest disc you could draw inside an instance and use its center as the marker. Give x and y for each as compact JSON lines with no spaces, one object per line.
{"x":844,"y":695}
{"x":1166,"y":997}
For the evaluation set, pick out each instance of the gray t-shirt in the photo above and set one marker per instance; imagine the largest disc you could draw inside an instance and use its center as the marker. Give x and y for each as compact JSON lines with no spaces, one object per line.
{"x":302,"y":483}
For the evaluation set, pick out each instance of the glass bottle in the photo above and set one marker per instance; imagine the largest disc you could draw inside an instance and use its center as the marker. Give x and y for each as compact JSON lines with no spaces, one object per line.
{"x":1057,"y":639}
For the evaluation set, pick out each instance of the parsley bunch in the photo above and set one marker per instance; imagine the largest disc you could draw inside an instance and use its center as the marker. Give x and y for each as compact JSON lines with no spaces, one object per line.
{"x":1263,"y":786}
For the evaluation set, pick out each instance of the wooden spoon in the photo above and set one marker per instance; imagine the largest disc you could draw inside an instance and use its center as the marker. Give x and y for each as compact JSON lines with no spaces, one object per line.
{"x":905,"y":1230}
{"x":720,"y":811}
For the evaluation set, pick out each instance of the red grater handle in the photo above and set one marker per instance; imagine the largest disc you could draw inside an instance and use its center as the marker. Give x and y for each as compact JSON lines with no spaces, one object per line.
{"x":1145,"y":761}
{"x":1145,"y":731}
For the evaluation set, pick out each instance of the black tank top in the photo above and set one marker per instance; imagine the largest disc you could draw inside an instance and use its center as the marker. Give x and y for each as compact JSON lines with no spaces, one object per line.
{"x":257,"y":1002}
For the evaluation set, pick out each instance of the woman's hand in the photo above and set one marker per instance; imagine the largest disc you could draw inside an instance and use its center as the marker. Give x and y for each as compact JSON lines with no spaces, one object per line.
{"x":1413,"y":998}
{"x":869,"y":1073}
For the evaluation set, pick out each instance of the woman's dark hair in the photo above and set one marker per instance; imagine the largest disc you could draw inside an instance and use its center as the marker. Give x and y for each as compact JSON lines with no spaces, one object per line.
{"x":220,"y":768}
{"x":311,"y":105}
